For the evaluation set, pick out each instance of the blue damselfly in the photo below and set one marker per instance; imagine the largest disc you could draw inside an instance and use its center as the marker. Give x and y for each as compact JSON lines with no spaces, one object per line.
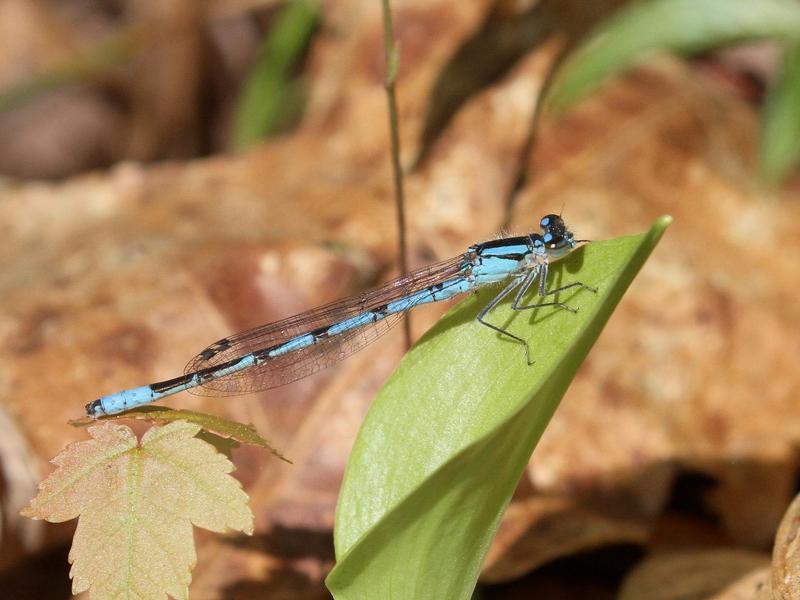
{"x":279,"y":353}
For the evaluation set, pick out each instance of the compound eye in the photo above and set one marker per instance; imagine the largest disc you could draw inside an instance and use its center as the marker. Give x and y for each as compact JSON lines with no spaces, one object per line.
{"x":538,"y":243}
{"x":553,"y":241}
{"x":550,"y":222}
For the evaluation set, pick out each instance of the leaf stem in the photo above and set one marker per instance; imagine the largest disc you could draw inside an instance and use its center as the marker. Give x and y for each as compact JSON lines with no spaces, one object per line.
{"x":391,"y":59}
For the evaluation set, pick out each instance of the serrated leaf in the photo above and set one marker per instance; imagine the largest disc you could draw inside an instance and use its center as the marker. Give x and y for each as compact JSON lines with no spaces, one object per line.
{"x":780,"y":133}
{"x":239,"y":432}
{"x":136,"y":504}
{"x":683,"y":26}
{"x":446,"y":440}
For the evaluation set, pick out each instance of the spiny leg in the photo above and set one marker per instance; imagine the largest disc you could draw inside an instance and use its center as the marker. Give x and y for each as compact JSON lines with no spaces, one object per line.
{"x":570,"y":285}
{"x":526,"y":285}
{"x":493,"y":304}
{"x":543,"y":291}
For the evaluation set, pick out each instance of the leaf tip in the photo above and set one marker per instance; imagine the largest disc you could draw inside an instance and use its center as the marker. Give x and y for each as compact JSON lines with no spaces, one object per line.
{"x":663,"y":222}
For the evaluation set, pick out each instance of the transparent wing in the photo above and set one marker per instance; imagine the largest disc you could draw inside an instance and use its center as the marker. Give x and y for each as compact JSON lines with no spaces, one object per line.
{"x":325,"y":352}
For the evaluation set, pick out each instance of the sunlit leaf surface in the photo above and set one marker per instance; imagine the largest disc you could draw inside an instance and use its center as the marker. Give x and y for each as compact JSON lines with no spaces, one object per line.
{"x":136,"y":503}
{"x":446,"y":440}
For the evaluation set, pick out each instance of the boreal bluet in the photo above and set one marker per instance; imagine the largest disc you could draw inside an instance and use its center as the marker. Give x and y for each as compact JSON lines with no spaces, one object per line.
{"x":279,"y":353}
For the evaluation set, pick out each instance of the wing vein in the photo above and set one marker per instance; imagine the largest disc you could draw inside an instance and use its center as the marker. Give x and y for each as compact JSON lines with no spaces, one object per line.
{"x":325,"y":352}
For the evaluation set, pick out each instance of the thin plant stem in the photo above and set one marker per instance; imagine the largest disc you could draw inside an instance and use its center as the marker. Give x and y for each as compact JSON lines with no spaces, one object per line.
{"x":391,"y":58}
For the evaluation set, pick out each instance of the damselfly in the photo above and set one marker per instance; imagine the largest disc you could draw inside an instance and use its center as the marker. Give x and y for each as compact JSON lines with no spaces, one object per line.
{"x":278,"y":353}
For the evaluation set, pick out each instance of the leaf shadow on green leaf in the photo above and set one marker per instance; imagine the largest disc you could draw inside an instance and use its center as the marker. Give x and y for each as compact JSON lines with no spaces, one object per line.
{"x":449,"y":436}
{"x":512,"y":319}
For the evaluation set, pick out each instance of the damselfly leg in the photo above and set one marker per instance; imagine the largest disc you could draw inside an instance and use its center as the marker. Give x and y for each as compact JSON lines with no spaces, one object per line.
{"x":523,"y":285}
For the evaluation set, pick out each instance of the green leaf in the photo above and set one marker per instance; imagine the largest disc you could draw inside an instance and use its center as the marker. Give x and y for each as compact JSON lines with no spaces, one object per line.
{"x":780,"y":135}
{"x":446,"y":440}
{"x":270,"y":98}
{"x":212,"y":424}
{"x":683,"y":26}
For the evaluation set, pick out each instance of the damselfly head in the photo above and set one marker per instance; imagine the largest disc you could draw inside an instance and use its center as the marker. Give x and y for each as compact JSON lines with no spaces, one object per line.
{"x":556,"y":237}
{"x":551,"y":223}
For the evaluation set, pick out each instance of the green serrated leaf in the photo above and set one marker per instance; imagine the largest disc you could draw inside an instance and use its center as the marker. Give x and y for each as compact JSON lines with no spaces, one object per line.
{"x":270,"y":97}
{"x":780,"y":135}
{"x":446,"y":440}
{"x":137,"y":501}
{"x":223,"y":445}
{"x":683,"y":26}
{"x":239,"y":432}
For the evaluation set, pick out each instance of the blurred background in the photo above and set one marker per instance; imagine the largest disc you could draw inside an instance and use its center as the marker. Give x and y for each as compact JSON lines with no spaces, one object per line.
{"x":176,"y":171}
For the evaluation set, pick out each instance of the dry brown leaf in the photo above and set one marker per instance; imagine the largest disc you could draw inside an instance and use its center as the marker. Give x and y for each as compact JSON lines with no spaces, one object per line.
{"x":786,"y":555}
{"x":144,"y":266}
{"x":58,"y":133}
{"x":166,"y":108}
{"x":754,"y":586}
{"x":693,"y":574}
{"x":165,"y":260}
{"x":136,"y":503}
